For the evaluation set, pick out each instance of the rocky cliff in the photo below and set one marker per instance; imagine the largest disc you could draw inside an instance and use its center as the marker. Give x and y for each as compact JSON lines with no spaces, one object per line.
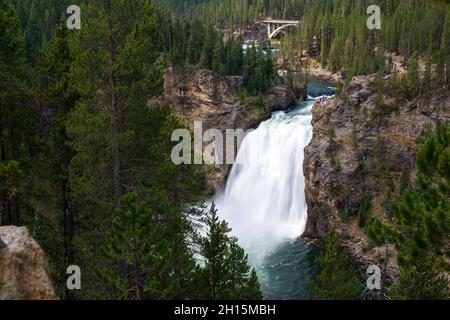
{"x":358,"y":153}
{"x":23,"y":267}
{"x":202,"y":95}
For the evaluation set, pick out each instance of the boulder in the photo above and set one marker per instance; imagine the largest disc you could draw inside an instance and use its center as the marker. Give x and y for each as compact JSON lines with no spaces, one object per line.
{"x":23,"y":267}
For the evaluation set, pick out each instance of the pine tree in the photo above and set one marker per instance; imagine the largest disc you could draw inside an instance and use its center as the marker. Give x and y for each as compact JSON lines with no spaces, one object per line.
{"x":57,"y":98}
{"x":337,"y":278}
{"x":427,"y":81}
{"x":18,"y":132}
{"x":444,"y":54}
{"x":412,"y":77}
{"x":217,"y":57}
{"x":115,"y":72}
{"x":124,"y":245}
{"x":208,"y":47}
{"x":8,"y":172}
{"x":226,"y":270}
{"x":138,"y":251}
{"x":421,"y":224}
{"x":112,"y":87}
{"x":148,"y":251}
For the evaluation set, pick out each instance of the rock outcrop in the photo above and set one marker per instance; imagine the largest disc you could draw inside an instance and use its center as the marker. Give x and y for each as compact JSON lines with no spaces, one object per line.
{"x":202,"y":95}
{"x":355,"y":151}
{"x":23,"y":267}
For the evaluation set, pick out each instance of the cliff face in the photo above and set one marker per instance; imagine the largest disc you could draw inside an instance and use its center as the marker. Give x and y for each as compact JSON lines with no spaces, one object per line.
{"x":23,"y":267}
{"x":356,"y":151}
{"x":202,"y":95}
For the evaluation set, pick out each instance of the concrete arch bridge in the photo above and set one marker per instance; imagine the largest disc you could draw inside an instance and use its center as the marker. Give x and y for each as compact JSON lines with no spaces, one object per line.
{"x":275,"y":26}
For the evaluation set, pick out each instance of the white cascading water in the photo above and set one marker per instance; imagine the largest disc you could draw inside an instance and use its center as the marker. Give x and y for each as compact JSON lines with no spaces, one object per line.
{"x":264,"y":201}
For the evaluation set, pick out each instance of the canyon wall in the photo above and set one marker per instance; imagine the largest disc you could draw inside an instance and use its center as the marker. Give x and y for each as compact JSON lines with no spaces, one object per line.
{"x":359,"y":152}
{"x":202,"y":95}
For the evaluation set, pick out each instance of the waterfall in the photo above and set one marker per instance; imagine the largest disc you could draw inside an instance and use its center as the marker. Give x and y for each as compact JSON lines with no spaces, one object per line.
{"x":264,"y":200}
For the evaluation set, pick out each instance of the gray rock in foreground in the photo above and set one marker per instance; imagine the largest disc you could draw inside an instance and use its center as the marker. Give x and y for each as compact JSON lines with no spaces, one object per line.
{"x":23,"y":267}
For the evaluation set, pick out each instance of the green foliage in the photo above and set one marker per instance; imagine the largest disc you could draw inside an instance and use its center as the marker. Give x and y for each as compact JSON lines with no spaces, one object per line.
{"x":144,"y":262}
{"x":258,"y":70}
{"x":412,"y":77}
{"x":119,"y":143}
{"x":345,"y":217}
{"x":443,"y":58}
{"x":8,"y":172}
{"x":197,"y":43}
{"x":165,"y":187}
{"x":337,"y":279}
{"x":76,"y":134}
{"x":424,"y":281}
{"x":226,"y":272}
{"x":364,"y":211}
{"x":335,"y":32}
{"x":38,"y":21}
{"x":150,"y":256}
{"x":52,"y":193}
{"x":18,"y":131}
{"x":422,"y":223}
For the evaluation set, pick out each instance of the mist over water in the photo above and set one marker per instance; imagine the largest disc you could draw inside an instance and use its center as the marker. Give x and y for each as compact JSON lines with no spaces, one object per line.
{"x":264,"y":200}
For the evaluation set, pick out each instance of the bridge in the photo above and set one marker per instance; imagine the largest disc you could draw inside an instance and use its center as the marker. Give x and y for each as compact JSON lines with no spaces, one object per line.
{"x":274,"y":27}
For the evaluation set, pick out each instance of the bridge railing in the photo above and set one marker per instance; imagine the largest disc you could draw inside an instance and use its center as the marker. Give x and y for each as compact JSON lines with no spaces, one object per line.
{"x":272,"y":21}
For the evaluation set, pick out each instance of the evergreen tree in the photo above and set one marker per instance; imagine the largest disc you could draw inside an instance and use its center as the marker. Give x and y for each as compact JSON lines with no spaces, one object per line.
{"x":141,"y":258}
{"x":444,"y":54}
{"x":56,"y":99}
{"x":217,"y":57}
{"x":335,"y":32}
{"x":8,"y":189}
{"x":337,"y":278}
{"x":18,"y":136}
{"x":115,"y":72}
{"x":226,"y":270}
{"x":421,"y":224}
{"x":77,"y":133}
{"x":412,"y":77}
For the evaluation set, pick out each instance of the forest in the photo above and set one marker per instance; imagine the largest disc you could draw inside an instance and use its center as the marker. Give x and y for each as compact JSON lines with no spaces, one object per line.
{"x":86,"y":178}
{"x":85,"y":162}
{"x":335,"y":33}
